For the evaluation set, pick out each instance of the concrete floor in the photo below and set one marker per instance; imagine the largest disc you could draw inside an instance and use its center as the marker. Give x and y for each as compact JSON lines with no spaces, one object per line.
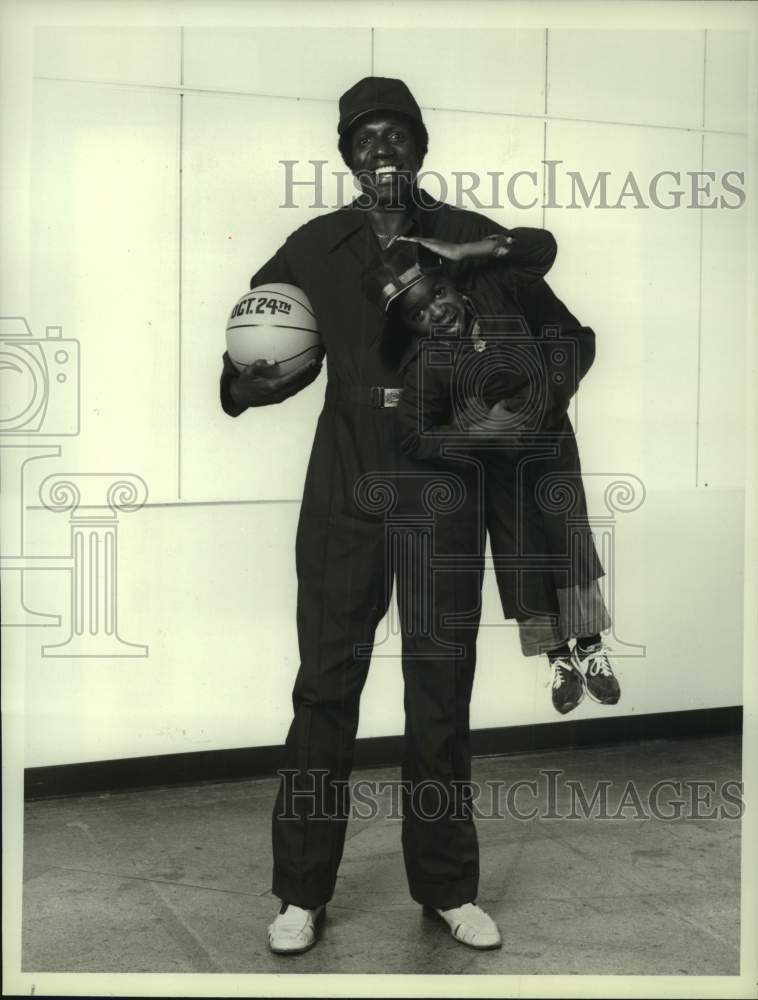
{"x":178,"y":880}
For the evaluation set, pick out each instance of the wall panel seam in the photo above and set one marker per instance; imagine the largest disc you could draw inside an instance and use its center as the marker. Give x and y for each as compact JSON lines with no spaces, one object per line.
{"x":705,"y":71}
{"x":180,"y":292}
{"x":544,"y":170}
{"x":200,"y":91}
{"x":181,"y":56}
{"x":699,"y":326}
{"x":158,"y":504}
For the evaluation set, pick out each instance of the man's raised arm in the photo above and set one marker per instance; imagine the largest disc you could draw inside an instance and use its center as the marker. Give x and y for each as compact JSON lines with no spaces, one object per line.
{"x":521,"y":255}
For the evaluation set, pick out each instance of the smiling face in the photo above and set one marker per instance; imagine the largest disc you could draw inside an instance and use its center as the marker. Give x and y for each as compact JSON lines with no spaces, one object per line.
{"x":431,"y":303}
{"x":384,"y":157}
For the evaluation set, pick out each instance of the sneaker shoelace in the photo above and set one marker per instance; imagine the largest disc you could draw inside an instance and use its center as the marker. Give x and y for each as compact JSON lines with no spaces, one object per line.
{"x":559,"y":671}
{"x":597,"y":662}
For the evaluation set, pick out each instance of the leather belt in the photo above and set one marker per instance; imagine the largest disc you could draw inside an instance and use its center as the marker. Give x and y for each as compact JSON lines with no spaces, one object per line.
{"x":378,"y":396}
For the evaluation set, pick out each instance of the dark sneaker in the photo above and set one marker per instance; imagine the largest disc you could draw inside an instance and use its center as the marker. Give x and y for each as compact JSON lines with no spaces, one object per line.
{"x":567,"y":685}
{"x":602,"y":684}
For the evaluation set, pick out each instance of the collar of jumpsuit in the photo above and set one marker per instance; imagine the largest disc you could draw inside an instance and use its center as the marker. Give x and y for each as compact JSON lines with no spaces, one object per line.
{"x":353,"y":219}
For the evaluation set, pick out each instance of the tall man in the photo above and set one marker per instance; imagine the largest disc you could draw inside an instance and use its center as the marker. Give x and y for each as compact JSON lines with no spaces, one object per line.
{"x":358,"y":481}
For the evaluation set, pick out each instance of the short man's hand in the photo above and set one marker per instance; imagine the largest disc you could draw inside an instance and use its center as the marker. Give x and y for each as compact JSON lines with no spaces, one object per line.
{"x":259,"y":385}
{"x":497,"y":421}
{"x":469,"y":415}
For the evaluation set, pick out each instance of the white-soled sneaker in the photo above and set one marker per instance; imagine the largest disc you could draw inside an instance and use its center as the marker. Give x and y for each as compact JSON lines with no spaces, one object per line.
{"x":470,"y":925}
{"x":567,"y":684}
{"x":599,"y":678}
{"x":293,"y":930}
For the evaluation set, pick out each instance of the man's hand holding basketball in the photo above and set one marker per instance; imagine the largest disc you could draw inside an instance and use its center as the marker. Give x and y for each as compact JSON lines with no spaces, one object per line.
{"x":258,"y":385}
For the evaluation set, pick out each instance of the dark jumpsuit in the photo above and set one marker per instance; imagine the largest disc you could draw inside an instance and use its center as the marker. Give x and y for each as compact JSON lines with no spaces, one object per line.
{"x":370,"y":513}
{"x":523,"y":343}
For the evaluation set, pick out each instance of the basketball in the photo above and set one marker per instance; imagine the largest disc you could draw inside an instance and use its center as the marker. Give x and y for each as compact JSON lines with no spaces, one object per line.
{"x":273,"y":322}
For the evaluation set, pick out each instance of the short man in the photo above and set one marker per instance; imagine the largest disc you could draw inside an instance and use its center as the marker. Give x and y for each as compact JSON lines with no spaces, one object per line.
{"x":358,"y":479}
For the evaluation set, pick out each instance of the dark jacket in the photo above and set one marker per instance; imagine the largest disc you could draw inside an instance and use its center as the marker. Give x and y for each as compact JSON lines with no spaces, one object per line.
{"x":536,"y":350}
{"x":541,"y":354}
{"x":327,"y":258}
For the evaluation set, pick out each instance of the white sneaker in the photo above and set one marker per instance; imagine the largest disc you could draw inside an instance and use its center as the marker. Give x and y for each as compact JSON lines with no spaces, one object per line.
{"x":470,"y":925}
{"x":293,"y":930}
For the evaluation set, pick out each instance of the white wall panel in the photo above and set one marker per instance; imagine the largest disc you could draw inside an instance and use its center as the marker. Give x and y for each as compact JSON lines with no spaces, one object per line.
{"x":632,"y":275}
{"x":626,"y":76}
{"x":663,"y":553}
{"x":105,"y":267}
{"x":723,"y":325}
{"x":286,"y":61}
{"x":476,"y":70}
{"x":146,"y":56}
{"x":211,"y":590}
{"x":462,"y":144}
{"x":726,"y":79}
{"x":233,"y":189}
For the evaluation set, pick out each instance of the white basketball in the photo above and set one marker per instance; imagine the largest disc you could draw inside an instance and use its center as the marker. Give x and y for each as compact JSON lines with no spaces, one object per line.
{"x":273,"y":322}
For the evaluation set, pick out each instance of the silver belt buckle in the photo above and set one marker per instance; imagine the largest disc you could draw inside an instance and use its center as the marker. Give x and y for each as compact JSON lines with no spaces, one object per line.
{"x":391,"y":396}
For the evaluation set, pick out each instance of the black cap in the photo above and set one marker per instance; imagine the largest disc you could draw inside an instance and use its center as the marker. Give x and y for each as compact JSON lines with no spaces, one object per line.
{"x":376,"y":93}
{"x":403,"y":265}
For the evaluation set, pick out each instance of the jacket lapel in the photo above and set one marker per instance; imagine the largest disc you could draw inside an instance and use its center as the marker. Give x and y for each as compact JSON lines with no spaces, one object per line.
{"x":353,"y":234}
{"x":410,"y":355}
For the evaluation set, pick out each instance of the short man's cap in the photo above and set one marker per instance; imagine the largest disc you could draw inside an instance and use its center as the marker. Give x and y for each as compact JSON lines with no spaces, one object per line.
{"x":376,"y":93}
{"x":402,"y":266}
